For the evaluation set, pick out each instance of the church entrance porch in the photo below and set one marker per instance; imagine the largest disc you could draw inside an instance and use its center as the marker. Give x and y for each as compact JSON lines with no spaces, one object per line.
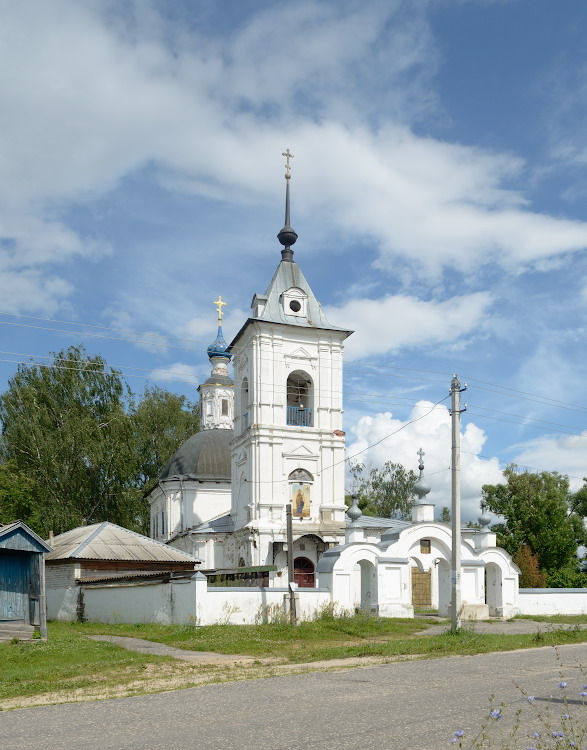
{"x":304,"y":573}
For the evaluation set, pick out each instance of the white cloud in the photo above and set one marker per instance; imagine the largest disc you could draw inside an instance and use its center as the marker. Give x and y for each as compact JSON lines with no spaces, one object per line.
{"x":562,"y":453}
{"x":432,"y":433}
{"x":403,"y":322}
{"x":180,"y":372}
{"x":88,"y":100}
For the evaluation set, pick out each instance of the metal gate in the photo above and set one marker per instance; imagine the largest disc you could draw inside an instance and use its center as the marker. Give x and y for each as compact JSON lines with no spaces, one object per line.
{"x":421,"y":588}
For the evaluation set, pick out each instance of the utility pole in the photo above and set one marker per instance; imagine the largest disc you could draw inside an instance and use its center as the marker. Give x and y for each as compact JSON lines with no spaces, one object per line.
{"x":455,"y":410}
{"x":290,"y":565}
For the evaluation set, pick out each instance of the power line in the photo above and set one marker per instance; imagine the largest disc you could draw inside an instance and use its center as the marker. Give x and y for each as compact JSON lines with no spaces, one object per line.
{"x":380,"y":369}
{"x":522,"y":416}
{"x":538,"y":400}
{"x":377,"y":442}
{"x":170,"y":376}
{"x":521,"y":424}
{"x":515,"y":463}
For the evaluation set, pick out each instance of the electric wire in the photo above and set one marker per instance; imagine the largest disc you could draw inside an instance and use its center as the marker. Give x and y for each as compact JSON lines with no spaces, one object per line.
{"x":169,"y":376}
{"x":515,"y":464}
{"x":522,"y":416}
{"x":363,"y":450}
{"x":472,"y":380}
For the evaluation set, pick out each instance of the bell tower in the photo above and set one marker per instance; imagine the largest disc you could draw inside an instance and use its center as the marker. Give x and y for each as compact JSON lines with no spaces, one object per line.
{"x":289,"y":444}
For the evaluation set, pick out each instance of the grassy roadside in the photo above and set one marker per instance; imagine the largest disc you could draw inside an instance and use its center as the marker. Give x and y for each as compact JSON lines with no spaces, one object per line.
{"x":71,"y":667}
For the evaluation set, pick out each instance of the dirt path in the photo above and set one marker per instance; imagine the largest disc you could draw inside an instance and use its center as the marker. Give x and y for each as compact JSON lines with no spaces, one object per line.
{"x":513,"y":627}
{"x":160,"y":649}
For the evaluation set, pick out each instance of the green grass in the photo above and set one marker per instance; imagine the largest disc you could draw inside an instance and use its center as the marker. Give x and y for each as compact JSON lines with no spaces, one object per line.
{"x":273,"y":640}
{"x":569,"y":619}
{"x":335,"y":638}
{"x":65,"y":662}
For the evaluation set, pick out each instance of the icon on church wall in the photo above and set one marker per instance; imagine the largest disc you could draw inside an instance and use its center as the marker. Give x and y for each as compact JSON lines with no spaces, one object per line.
{"x":300,"y":500}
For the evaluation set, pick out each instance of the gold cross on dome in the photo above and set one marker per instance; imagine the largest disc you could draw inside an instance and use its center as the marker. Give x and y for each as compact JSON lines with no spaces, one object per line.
{"x":288,"y":156}
{"x":219,"y":305}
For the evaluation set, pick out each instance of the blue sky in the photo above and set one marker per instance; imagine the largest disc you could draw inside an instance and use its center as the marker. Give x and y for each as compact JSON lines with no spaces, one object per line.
{"x":438,"y":191}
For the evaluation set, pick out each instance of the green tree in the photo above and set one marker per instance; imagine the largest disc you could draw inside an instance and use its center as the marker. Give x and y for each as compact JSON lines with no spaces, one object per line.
{"x":65,"y":427}
{"x":538,"y":513}
{"x":83,"y":444}
{"x":16,"y":497}
{"x":385,"y":491}
{"x":161,"y":422}
{"x":445,"y":516}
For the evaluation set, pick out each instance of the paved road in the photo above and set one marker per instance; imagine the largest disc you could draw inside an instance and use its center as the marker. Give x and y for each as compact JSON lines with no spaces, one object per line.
{"x":403,"y":706}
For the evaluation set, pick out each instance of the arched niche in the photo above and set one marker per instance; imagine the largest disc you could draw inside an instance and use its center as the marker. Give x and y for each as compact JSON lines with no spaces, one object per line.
{"x":245,"y":401}
{"x":300,"y":487}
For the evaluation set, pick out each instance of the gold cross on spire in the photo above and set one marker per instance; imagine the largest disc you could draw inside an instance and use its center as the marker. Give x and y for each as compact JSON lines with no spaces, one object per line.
{"x":219,"y":305}
{"x":288,"y":156}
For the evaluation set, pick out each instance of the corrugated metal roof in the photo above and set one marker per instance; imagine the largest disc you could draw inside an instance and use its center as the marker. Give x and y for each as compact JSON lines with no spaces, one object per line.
{"x":135,"y":575}
{"x":380,"y":523}
{"x":107,"y":541}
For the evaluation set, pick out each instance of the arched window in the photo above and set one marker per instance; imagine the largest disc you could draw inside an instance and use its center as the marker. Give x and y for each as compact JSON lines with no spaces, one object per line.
{"x":300,"y":399}
{"x":300,"y":483}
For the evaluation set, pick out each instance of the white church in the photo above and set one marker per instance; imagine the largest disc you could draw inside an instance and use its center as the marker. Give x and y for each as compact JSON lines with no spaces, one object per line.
{"x":272,"y":435}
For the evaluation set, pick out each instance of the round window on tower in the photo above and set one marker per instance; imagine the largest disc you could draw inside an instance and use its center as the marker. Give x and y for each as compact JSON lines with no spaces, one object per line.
{"x":295,"y":305}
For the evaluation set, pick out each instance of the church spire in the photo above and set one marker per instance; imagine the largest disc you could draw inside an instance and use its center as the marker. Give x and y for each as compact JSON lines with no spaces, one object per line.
{"x":287,"y":236}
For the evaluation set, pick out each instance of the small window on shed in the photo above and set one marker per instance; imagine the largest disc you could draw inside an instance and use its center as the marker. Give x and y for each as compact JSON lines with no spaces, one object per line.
{"x":425,"y":546}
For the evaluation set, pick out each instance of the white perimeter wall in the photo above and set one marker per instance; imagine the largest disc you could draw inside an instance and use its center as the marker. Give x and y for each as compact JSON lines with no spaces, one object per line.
{"x":552,"y":601}
{"x":188,"y":602}
{"x":192,"y":602}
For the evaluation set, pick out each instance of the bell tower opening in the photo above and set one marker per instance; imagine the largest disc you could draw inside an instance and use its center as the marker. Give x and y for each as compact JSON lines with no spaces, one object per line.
{"x":300,"y":399}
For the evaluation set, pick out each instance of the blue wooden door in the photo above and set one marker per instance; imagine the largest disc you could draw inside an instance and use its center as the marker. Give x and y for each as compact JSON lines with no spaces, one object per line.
{"x":14,"y":587}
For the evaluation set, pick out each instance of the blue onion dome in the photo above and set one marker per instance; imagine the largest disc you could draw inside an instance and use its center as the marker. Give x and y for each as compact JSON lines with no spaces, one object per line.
{"x":219,"y":346}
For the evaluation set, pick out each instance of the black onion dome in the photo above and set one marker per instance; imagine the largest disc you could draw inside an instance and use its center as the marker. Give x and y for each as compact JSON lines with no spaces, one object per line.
{"x":204,"y":456}
{"x":219,"y":380}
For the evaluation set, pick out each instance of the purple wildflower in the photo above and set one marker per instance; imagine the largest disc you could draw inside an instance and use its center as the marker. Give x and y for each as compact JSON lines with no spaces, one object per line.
{"x":496,"y":714}
{"x":452,"y":742}
{"x":557,"y":734}
{"x":536,"y":735}
{"x":563,"y":685}
{"x":530,"y":699}
{"x":460,"y":733}
{"x":583,"y":694}
{"x":566,"y":716}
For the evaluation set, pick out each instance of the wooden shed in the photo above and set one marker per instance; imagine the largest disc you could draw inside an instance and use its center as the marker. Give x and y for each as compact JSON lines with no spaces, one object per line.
{"x":22,"y":582}
{"x":106,"y":554}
